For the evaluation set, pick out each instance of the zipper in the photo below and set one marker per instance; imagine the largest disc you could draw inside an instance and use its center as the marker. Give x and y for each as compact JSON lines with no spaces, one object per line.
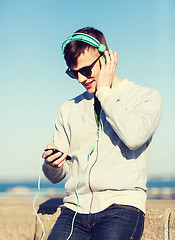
{"x":90,"y":188}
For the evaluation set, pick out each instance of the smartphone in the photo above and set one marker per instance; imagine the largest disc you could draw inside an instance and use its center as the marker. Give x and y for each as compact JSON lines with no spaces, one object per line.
{"x":54,"y":150}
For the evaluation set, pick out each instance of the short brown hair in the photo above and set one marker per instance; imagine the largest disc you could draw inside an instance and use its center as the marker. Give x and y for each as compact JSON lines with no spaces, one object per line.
{"x":73,"y":49}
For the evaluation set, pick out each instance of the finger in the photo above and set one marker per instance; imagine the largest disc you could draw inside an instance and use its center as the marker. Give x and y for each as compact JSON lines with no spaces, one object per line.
{"x":108,"y":58}
{"x":110,"y":54}
{"x":48,"y":153}
{"x":50,"y":146}
{"x":102,"y":62}
{"x":59,"y":161}
{"x":53,"y":157}
{"x":113,"y":57}
{"x":61,"y":164}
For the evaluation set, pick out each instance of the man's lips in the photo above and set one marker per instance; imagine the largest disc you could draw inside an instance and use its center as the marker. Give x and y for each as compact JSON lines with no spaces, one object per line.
{"x":89,"y":84}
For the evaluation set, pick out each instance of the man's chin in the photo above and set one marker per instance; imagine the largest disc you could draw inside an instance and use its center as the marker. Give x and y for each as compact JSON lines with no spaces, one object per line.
{"x":91,"y":90}
{"x":92,"y":87}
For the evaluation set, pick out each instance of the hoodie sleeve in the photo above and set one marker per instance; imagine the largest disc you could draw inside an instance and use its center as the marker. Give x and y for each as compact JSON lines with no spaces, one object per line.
{"x":134,"y":113}
{"x":61,"y":140}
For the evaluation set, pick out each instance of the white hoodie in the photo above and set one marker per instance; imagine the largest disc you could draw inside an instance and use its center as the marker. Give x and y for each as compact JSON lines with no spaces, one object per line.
{"x":109,"y":164}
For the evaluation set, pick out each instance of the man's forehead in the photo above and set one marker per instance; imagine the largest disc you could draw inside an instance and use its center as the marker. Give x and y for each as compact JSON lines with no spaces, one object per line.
{"x":86,"y":58}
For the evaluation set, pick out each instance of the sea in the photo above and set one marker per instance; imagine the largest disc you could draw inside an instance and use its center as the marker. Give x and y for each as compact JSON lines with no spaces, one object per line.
{"x":156,"y":189}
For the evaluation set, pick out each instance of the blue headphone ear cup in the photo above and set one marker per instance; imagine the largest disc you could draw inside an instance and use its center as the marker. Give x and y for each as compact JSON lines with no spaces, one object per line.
{"x":101,"y":48}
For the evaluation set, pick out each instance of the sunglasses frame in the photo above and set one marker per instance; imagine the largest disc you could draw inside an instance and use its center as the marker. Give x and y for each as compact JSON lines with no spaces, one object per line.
{"x":88,"y":70}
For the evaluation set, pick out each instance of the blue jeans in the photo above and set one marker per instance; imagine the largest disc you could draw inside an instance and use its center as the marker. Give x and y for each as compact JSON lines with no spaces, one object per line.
{"x":117,"y":222}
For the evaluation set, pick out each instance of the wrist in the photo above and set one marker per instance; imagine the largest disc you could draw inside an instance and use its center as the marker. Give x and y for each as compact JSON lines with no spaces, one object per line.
{"x":102,"y":93}
{"x":103,"y":85}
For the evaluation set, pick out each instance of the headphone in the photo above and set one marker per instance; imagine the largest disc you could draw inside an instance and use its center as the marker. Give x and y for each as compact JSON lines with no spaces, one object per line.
{"x":84,"y":38}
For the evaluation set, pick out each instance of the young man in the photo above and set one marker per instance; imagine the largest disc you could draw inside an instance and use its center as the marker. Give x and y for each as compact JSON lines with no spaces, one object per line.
{"x":107,"y":132}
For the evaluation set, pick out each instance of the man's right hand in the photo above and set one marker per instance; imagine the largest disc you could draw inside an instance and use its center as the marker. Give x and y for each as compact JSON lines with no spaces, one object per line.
{"x":55,"y":160}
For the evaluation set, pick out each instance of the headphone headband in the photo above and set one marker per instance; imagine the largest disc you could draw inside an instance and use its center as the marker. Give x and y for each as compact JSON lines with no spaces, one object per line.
{"x":84,"y":38}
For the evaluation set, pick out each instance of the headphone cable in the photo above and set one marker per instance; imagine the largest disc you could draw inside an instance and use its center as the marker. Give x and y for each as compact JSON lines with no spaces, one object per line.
{"x":39,"y":181}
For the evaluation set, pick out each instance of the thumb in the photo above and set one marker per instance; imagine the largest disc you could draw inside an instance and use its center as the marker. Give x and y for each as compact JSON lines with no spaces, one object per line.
{"x":49,"y":146}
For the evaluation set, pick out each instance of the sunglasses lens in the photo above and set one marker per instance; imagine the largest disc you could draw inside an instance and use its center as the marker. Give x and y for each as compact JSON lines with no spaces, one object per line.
{"x":72,"y":74}
{"x":86,"y":71}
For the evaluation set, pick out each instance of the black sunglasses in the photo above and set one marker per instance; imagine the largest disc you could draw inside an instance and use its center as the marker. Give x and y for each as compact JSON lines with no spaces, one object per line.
{"x":85,"y":71}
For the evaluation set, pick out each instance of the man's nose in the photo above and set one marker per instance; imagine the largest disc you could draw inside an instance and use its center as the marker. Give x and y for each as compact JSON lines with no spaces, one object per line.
{"x":81,"y":78}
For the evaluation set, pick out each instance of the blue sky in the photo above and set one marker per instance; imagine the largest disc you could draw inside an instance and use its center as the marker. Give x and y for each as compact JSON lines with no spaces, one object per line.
{"x":33,"y":84}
